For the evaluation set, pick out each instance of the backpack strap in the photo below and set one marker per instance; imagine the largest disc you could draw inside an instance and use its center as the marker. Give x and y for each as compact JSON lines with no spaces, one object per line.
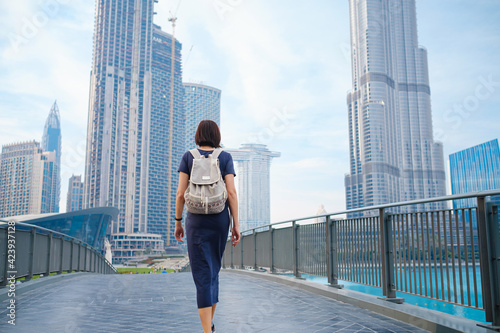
{"x":216,"y":153}
{"x":196,"y":154}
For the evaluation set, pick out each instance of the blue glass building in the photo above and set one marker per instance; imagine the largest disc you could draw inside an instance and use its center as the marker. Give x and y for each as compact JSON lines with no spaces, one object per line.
{"x":88,"y":225}
{"x":475,"y":169}
{"x":201,"y":102}
{"x":51,"y":141}
{"x":163,"y":159}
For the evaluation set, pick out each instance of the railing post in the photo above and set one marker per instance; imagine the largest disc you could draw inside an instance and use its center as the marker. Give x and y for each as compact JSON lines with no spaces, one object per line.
{"x":255,"y":249}
{"x":85,"y":259}
{"x":71,"y":255}
{"x":5,"y":272}
{"x":49,"y":252}
{"x":386,"y":249}
{"x":79,"y":256}
{"x":31,"y":254}
{"x":242,"y":264}
{"x":61,"y":257}
{"x":495,"y":237}
{"x":271,"y":250}
{"x":489,"y":255}
{"x":224,"y":259}
{"x":331,"y":253}
{"x":295,"y":242}
{"x":232,"y":253}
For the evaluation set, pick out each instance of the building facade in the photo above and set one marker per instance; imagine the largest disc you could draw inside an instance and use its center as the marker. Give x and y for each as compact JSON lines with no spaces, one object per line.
{"x":253,"y":164}
{"x":201,"y":102}
{"x":74,"y":199}
{"x":393,"y":156}
{"x":475,"y":169}
{"x":51,"y":141}
{"x":135,"y":134}
{"x":27,"y":179}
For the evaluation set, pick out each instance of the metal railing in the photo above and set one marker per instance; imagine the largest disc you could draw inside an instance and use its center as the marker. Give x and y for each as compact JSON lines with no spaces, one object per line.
{"x":450,"y":255}
{"x":27,"y":250}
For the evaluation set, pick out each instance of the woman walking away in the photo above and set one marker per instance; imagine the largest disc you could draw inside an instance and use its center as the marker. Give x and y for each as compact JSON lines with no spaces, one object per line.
{"x":206,"y":225}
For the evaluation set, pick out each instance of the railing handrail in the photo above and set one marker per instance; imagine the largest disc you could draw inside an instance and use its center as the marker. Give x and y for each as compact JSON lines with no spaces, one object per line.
{"x":389,"y":205}
{"x":62,"y":235}
{"x":476,"y":232}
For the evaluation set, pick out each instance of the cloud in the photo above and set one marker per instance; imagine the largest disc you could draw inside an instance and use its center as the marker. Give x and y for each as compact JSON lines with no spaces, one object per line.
{"x":267,"y":58}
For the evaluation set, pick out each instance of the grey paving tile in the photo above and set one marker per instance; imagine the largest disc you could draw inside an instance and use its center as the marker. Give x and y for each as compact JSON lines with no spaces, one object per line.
{"x":166,"y":303}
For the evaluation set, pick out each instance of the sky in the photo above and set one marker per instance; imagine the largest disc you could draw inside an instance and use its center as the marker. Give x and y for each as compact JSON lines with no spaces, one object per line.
{"x":284,"y":70}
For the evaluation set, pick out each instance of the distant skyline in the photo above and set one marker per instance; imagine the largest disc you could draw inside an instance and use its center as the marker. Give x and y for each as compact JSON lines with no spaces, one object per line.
{"x":283,"y":71}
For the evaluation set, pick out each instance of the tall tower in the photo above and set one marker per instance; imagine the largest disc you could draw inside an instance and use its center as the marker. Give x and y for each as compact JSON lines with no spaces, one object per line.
{"x":27,"y":178}
{"x":201,"y":102}
{"x":393,"y":156}
{"x":253,"y":176}
{"x":51,"y":141}
{"x":128,"y":135}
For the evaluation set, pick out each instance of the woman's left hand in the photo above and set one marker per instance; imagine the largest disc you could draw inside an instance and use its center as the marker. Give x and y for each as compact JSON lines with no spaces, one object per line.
{"x":179,"y":233}
{"x":235,"y":235}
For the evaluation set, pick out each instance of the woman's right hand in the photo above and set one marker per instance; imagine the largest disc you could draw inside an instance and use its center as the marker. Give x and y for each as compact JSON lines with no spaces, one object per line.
{"x":235,"y":235}
{"x":179,"y":232}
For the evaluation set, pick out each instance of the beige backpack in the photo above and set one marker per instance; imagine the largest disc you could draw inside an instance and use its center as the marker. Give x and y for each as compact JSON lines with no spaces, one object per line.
{"x":206,"y":192}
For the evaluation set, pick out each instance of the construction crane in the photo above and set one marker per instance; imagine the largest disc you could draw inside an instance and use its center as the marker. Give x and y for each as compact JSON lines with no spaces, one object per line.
{"x":172,"y":19}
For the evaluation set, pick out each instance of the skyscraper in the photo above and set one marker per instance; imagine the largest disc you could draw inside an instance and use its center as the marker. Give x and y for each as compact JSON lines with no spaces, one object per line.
{"x":74,"y":199}
{"x":51,"y":141}
{"x":201,"y":102}
{"x":475,"y":169}
{"x":27,"y":179}
{"x":134,"y":140}
{"x":393,"y":156}
{"x":253,"y":163}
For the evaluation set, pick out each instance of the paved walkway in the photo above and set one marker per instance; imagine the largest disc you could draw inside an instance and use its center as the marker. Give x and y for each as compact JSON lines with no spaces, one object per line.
{"x":166,"y":303}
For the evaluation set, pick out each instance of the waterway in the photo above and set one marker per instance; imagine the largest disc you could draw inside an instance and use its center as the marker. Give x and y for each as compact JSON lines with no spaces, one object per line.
{"x":453,"y":309}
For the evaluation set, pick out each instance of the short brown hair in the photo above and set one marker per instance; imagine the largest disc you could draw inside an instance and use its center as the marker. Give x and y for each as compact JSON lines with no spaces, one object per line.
{"x":207,"y":134}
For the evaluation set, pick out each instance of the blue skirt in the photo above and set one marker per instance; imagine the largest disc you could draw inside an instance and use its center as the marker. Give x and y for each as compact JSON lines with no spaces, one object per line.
{"x":206,"y":240}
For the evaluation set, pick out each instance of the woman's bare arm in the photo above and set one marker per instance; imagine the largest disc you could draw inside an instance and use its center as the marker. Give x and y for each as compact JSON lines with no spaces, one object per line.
{"x":179,"y":205}
{"x":232,"y":199}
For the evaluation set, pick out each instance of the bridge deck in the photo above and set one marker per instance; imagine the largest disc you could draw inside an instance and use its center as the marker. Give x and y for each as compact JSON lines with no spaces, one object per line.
{"x":166,"y":303}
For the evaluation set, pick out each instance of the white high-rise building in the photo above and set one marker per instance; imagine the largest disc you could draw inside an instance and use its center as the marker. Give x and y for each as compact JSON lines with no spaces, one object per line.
{"x":27,"y":179}
{"x":393,"y":156}
{"x":74,"y":199}
{"x":253,"y":163}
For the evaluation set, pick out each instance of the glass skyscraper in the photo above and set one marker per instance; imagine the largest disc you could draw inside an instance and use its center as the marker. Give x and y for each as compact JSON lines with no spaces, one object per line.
{"x":475,"y":169}
{"x":51,"y":141}
{"x":393,"y":156}
{"x":201,"y":102}
{"x":253,"y":164}
{"x":134,"y":140}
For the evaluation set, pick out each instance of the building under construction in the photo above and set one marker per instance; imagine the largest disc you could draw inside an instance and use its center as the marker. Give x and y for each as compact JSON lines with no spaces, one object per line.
{"x":135,"y":134}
